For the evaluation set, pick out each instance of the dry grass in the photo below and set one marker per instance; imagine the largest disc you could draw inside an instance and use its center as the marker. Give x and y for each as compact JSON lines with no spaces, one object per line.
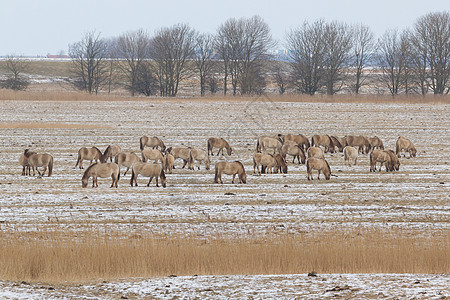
{"x":44,"y":125}
{"x":56,"y":258}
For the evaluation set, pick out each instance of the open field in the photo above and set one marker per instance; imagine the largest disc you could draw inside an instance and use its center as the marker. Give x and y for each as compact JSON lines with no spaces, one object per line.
{"x":413,"y":202}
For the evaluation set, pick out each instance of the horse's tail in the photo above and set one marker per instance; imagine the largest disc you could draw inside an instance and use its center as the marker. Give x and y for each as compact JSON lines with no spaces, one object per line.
{"x":79,"y":158}
{"x":216,"y":175}
{"x":209,"y":146}
{"x":118,"y":174}
{"x":312,"y":141}
{"x":258,"y":146}
{"x":50,"y":166}
{"x":141,"y":143}
{"x":132,"y":176}
{"x":190,"y":160}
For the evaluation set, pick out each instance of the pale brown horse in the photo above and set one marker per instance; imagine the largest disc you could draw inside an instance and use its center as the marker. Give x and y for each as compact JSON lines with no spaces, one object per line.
{"x":376,"y":143}
{"x":265,"y":143}
{"x":321,"y":165}
{"x":359,"y":141}
{"x":300,"y":139}
{"x":201,"y":156}
{"x":405,"y":144}
{"x":148,"y":170}
{"x":315,"y":152}
{"x":230,"y":168}
{"x":102,"y":170}
{"x":111,"y":151}
{"x":169,"y":163}
{"x":153,"y":154}
{"x":152,"y":142}
{"x":383,"y":157}
{"x":350,"y":155}
{"x":395,"y":160}
{"x":91,"y":154}
{"x":323,"y":140}
{"x":292,"y":148}
{"x":181,"y":152}
{"x":218,"y":143}
{"x":267,"y":162}
{"x":126,"y":159}
{"x":39,"y":160}
{"x":281,"y":164}
{"x":23,"y":161}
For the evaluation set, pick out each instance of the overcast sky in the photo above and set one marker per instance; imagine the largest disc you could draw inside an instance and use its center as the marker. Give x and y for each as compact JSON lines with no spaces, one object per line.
{"x":38,"y":27}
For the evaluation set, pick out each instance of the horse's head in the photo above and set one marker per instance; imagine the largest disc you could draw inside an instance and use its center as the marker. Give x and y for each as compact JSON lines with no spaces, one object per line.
{"x":84,"y":182}
{"x":229,"y":150}
{"x":243,"y":177}
{"x":413,"y":151}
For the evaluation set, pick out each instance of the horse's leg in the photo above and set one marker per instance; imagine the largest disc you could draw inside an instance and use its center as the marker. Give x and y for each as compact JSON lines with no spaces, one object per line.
{"x":232,"y":181}
{"x":148,"y":184}
{"x":113,"y":179}
{"x":184,"y":164}
{"x":126,"y":171}
{"x":219,"y":151}
{"x":157,"y":181}
{"x":318,"y":175}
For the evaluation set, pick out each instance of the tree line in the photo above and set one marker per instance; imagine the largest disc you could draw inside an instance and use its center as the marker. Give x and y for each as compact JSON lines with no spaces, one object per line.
{"x":322,"y":57}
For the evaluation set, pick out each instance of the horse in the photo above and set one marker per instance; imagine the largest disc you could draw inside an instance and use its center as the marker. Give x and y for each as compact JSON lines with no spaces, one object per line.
{"x":376,"y":143}
{"x":359,"y":141}
{"x":300,"y":139}
{"x":315,"y":152}
{"x":148,"y":170}
{"x":39,"y":160}
{"x":126,"y":159}
{"x":395,"y":160}
{"x":281,"y":164}
{"x":199,"y":155}
{"x":323,"y":140}
{"x":383,"y":157}
{"x":23,"y":161}
{"x":337,"y":143}
{"x":218,"y":143}
{"x":230,"y":168}
{"x":292,"y":148}
{"x":181,"y":152}
{"x":267,"y":142}
{"x":169,"y":163}
{"x":321,"y":165}
{"x":102,"y":170}
{"x":153,"y":142}
{"x":266,"y":162}
{"x":405,"y":144}
{"x":153,"y":154}
{"x":350,"y":155}
{"x":89,"y":154}
{"x":111,"y":151}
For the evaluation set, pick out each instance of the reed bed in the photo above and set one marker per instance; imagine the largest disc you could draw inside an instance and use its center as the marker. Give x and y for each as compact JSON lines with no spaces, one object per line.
{"x":56,"y":257}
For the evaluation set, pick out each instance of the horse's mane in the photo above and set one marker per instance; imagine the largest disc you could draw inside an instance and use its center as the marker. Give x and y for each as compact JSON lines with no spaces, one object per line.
{"x":107,"y":149}
{"x":236,"y":161}
{"x":87,"y":170}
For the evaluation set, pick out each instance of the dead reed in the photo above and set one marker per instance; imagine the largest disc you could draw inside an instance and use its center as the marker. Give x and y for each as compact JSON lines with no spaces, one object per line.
{"x":56,"y":257}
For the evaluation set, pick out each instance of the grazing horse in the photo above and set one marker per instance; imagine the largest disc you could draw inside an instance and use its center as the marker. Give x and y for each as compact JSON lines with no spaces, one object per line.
{"x":395,"y":160}
{"x":102,"y":170}
{"x":359,"y":141}
{"x":148,"y":170}
{"x":321,"y":165}
{"x":405,"y":144}
{"x":39,"y":160}
{"x":281,"y":164}
{"x":199,"y":155}
{"x":181,"y":152}
{"x":230,"y":168}
{"x":111,"y":151}
{"x":89,"y":154}
{"x":169,"y":163}
{"x":126,"y":159}
{"x":23,"y":161}
{"x":153,"y":154}
{"x":300,"y":139}
{"x":267,"y":142}
{"x":376,"y":143}
{"x":315,"y":152}
{"x":266,"y":162}
{"x":323,"y":140}
{"x":337,"y":143}
{"x":350,"y":155}
{"x":292,"y":148}
{"x":151,"y":142}
{"x":383,"y":157}
{"x":218,"y":143}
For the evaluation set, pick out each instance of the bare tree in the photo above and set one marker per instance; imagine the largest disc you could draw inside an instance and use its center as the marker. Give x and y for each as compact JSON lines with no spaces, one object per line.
{"x":307,"y":51}
{"x":88,"y":62}
{"x":134,"y":50}
{"x":203,"y":58}
{"x":280,"y":75}
{"x":363,"y":52}
{"x":170,"y":50}
{"x":16,"y":67}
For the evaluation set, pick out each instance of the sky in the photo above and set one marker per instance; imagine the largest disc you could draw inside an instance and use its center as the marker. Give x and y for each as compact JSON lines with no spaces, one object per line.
{"x":39,"y":27}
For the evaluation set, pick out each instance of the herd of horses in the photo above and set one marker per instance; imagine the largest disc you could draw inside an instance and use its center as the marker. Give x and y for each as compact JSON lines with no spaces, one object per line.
{"x":155,"y":159}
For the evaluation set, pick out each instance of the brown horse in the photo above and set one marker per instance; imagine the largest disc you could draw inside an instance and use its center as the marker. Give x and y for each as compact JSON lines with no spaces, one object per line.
{"x":376,"y":143}
{"x":337,"y":143}
{"x":218,"y":143}
{"x":323,"y":140}
{"x":102,"y":170}
{"x":321,"y":165}
{"x":230,"y":168}
{"x":300,"y":139}
{"x":315,"y":152}
{"x":39,"y":160}
{"x":350,"y":155}
{"x":183,"y":153}
{"x":111,"y":151}
{"x":293,"y":149}
{"x":153,"y":142}
{"x":405,"y":144}
{"x":148,"y":170}
{"x":266,"y":162}
{"x":395,"y":160}
{"x":91,"y":154}
{"x":359,"y":141}
{"x":383,"y":157}
{"x":126,"y":159}
{"x":281,"y":164}
{"x":23,"y":161}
